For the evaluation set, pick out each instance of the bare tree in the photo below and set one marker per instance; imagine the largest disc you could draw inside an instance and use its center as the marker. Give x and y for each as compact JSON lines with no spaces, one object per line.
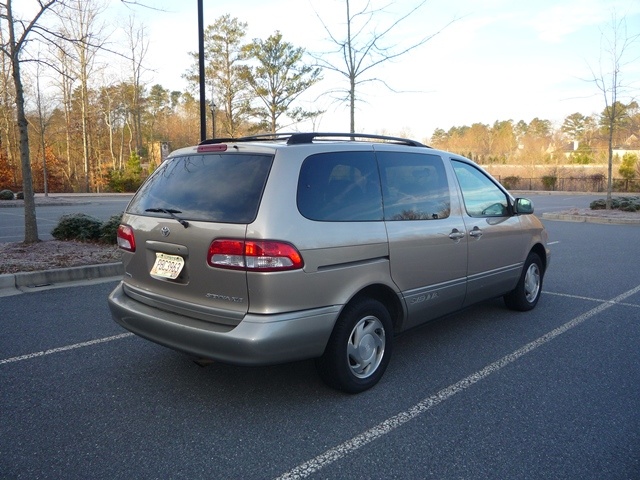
{"x":8,"y":138}
{"x":44,"y":115}
{"x":615,"y":46}
{"x":80,"y":25}
{"x":13,"y":49}
{"x":138,"y":44}
{"x":363,"y":47}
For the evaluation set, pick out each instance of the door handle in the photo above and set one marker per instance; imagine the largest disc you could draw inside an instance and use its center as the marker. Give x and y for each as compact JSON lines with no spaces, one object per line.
{"x":456,"y":235}
{"x":475,"y":232}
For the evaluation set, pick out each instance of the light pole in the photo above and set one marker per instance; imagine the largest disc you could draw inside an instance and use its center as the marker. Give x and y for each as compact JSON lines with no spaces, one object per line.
{"x":203,"y":111}
{"x":212,"y":105}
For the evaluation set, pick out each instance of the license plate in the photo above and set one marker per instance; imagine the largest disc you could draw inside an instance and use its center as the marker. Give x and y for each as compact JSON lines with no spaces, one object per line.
{"x":167,"y":266}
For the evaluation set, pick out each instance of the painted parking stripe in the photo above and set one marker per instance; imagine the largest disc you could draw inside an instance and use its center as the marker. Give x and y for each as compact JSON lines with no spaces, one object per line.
{"x":387,"y":426}
{"x":65,"y":348}
{"x":591,"y":299}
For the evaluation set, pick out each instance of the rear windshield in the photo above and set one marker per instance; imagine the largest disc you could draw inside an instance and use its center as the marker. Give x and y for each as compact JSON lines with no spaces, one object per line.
{"x":222,"y":188}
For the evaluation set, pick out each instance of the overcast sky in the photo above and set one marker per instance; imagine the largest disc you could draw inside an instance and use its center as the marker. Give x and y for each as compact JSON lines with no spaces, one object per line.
{"x":492,"y":60}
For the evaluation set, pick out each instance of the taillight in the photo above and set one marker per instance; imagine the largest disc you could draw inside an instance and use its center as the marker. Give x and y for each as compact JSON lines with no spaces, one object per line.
{"x":254,"y":255}
{"x":216,"y":147}
{"x":126,"y":239}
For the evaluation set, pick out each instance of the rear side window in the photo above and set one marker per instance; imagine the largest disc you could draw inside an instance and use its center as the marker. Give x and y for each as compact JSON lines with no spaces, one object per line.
{"x":414,"y":186}
{"x":340,"y":187}
{"x":223,"y":188}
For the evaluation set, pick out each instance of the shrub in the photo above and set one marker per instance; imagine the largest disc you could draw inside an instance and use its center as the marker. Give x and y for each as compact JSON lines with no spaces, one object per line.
{"x":109,"y":229}
{"x":628,"y":167}
{"x":626,"y":204}
{"x":129,"y":179}
{"x":510,"y":182}
{"x":20,"y":195}
{"x":6,"y":195}
{"x":77,"y":226}
{"x":597,"y":182}
{"x":549,"y":182}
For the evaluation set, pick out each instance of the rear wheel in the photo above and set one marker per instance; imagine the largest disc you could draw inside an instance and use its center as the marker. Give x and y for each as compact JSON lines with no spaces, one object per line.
{"x":359,"y":348}
{"x":527,"y":293}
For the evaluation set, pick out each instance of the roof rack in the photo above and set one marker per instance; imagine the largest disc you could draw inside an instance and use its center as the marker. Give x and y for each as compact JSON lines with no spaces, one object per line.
{"x":298,"y":138}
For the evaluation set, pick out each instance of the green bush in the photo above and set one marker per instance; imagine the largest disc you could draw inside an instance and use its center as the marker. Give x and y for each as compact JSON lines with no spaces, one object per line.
{"x":109,"y":229}
{"x":6,"y":195}
{"x":84,"y":228}
{"x":20,"y":196}
{"x":77,"y":226}
{"x":625,"y":204}
{"x":510,"y":182}
{"x":129,"y":179}
{"x":549,"y":182}
{"x":628,"y":166}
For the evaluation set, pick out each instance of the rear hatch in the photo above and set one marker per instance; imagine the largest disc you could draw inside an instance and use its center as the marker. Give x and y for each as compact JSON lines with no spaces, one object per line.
{"x":190,"y":200}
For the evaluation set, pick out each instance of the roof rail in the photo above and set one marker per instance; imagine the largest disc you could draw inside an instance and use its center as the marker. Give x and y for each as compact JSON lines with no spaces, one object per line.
{"x":298,"y":138}
{"x":250,"y":138}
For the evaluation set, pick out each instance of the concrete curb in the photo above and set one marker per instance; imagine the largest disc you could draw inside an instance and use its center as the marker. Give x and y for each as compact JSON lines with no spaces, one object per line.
{"x":563,"y":217}
{"x":13,"y":283}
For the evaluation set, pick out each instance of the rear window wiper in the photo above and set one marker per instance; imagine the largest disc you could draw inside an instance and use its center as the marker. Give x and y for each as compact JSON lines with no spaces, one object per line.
{"x":171,"y":213}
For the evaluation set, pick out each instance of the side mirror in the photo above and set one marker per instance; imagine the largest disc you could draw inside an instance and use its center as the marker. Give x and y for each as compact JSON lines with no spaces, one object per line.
{"x":523,"y":206}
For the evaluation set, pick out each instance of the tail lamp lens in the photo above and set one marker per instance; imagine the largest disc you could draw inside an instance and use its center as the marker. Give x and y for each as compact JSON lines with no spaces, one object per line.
{"x":254,"y":255}
{"x":126,"y":239}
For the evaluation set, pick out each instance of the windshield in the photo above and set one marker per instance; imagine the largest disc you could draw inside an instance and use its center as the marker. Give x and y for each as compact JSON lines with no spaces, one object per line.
{"x":217,"y":188}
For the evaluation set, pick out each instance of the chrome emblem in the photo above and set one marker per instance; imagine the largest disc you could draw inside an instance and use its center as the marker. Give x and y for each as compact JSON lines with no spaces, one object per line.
{"x":165,"y":231}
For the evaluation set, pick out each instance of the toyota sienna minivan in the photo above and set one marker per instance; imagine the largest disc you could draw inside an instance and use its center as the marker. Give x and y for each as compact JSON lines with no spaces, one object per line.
{"x":282,"y":247}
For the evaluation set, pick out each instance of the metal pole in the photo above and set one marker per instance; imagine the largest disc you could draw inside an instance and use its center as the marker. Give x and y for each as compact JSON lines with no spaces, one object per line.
{"x":213,"y":117}
{"x":203,"y":110}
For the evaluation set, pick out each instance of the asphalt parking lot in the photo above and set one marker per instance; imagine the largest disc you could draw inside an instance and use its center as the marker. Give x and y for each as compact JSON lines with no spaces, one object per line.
{"x":485,"y":393}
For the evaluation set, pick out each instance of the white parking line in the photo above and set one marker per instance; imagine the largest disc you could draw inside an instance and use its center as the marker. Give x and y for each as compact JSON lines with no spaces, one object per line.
{"x":66,"y":348}
{"x":590,"y":299}
{"x":359,"y":441}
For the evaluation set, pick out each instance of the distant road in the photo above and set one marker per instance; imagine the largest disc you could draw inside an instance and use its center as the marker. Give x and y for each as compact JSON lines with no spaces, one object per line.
{"x":50,"y":209}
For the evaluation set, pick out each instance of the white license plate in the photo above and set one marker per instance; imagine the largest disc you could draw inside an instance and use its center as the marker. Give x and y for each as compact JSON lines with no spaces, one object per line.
{"x":167,"y":266}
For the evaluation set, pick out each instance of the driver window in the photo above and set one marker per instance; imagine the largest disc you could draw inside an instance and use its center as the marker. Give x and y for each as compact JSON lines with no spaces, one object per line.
{"x":482,"y":197}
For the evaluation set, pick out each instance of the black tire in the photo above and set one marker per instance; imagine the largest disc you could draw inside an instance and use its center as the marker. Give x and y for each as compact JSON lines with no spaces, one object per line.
{"x":527,"y":293}
{"x":359,"y":348}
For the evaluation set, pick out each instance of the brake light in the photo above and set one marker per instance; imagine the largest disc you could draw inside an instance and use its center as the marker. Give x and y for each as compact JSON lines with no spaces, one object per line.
{"x":215,"y":147}
{"x":126,"y":239}
{"x":254,"y":255}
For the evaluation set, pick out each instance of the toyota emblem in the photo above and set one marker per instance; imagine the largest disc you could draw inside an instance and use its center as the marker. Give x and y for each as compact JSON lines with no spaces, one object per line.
{"x":165,"y":231}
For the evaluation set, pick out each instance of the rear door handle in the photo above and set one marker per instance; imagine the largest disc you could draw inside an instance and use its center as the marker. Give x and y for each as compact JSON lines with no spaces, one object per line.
{"x":475,"y":232}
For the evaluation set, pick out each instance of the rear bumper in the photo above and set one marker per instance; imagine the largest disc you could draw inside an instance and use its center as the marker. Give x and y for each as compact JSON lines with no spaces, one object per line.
{"x":256,"y":340}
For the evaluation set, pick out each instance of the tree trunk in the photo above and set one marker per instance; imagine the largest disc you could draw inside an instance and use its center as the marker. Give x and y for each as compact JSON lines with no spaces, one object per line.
{"x":30,"y":223}
{"x":610,"y":168}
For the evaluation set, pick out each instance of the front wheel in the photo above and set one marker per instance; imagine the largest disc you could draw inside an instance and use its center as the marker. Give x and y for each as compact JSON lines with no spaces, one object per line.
{"x":359,"y":348}
{"x":527,"y":292}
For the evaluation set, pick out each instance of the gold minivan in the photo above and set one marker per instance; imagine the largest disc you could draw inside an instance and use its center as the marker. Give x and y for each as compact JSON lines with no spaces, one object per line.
{"x":281,"y":247}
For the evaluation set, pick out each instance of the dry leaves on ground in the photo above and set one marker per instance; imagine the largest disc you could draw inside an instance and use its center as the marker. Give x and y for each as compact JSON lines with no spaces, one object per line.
{"x":22,"y":257}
